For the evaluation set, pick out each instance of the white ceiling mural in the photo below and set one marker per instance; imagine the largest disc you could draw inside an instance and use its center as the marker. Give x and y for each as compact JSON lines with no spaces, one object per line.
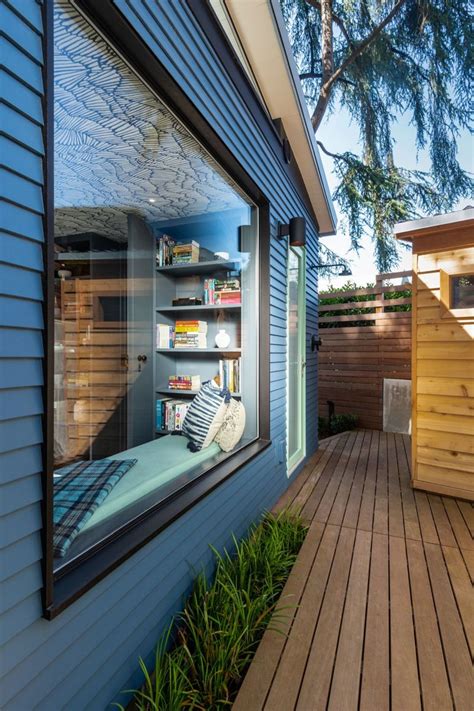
{"x":118,"y":150}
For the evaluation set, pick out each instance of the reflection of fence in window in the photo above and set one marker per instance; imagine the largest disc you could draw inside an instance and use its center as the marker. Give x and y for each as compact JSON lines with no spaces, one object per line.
{"x":462,"y":291}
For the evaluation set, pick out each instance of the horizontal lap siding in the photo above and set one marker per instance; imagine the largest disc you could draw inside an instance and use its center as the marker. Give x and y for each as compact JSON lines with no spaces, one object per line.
{"x":83,"y":658}
{"x":443,"y":448}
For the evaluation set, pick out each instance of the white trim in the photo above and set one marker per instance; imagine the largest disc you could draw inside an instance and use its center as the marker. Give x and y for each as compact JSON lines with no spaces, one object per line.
{"x":261,"y":30}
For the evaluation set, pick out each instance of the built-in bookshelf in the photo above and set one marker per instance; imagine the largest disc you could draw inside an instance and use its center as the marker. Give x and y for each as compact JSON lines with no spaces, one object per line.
{"x":187,"y":281}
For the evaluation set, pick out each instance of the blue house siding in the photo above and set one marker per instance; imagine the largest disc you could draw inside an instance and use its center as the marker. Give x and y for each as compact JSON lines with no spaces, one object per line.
{"x":83,"y":658}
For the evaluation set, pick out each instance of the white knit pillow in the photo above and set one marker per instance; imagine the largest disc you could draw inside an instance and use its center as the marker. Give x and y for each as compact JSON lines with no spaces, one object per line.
{"x":233,"y":426}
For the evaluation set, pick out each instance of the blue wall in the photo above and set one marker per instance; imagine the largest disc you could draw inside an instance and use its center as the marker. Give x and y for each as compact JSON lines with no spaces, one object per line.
{"x":83,"y":658}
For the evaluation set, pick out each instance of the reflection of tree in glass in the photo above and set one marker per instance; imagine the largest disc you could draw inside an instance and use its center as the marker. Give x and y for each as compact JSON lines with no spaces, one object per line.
{"x":463,"y":291}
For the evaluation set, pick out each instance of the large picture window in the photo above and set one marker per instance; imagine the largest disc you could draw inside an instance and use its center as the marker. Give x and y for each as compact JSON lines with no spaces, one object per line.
{"x":156,"y":298}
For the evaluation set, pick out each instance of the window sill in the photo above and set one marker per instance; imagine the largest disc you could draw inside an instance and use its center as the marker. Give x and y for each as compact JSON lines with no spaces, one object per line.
{"x":78,"y":579}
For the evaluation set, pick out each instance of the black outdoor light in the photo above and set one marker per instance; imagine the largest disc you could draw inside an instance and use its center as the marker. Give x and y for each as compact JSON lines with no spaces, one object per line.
{"x":295,"y":229}
{"x":345,"y":271}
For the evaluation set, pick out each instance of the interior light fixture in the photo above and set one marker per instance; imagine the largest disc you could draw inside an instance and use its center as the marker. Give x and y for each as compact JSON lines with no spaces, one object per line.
{"x":151,"y":199}
{"x":295,"y":229}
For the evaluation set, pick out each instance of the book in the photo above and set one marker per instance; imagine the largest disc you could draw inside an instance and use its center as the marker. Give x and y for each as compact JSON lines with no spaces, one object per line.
{"x":186,"y":253}
{"x":229,"y":374}
{"x":170,"y":414}
{"x":184,"y":382}
{"x":165,"y":335}
{"x":164,"y":253}
{"x":191,"y":327}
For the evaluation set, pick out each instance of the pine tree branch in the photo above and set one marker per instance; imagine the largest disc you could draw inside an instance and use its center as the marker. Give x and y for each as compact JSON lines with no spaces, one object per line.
{"x":318,"y":75}
{"x":327,"y":19}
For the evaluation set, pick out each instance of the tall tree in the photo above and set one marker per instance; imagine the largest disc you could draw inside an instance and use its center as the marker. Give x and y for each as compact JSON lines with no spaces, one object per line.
{"x":380,"y":59}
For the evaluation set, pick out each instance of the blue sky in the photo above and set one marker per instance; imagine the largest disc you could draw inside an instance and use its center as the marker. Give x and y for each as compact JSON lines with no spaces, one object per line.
{"x":338,"y":134}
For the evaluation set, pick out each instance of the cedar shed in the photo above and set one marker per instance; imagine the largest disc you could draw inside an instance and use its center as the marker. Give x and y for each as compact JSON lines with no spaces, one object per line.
{"x":443,"y":352}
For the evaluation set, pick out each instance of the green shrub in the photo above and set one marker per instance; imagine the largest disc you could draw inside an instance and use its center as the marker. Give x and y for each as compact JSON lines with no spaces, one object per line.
{"x":202,"y":659}
{"x":342,"y":423}
{"x":337,"y":424}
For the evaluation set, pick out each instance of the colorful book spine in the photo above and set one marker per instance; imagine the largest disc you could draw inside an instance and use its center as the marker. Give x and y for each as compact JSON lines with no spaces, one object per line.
{"x":229,"y":374}
{"x":170,"y":414}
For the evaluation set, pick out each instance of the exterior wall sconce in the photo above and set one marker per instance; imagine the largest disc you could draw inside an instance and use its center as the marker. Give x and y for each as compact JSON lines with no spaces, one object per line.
{"x":295,"y":229}
{"x":345,"y":271}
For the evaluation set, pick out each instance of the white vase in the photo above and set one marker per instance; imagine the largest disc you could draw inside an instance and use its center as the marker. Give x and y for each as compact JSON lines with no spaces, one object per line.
{"x":222,"y":339}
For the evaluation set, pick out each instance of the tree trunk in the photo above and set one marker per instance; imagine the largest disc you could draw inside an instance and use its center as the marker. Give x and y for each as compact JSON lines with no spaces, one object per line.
{"x":327,"y":62}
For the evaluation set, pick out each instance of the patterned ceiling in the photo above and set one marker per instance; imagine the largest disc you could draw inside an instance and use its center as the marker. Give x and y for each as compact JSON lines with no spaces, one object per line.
{"x":117,"y":146}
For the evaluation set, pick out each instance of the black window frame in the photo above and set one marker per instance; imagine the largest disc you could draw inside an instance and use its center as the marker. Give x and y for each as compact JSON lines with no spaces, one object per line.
{"x":62,"y":589}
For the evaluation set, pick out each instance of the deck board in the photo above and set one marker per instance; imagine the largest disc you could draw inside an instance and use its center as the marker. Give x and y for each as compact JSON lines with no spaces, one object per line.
{"x":378,"y":610}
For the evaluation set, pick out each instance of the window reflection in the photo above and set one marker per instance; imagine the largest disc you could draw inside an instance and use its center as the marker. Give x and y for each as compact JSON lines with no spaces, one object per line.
{"x":129,"y":177}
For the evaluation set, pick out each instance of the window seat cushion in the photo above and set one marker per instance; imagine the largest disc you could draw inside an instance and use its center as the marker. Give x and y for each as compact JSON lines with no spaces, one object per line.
{"x":158,"y":462}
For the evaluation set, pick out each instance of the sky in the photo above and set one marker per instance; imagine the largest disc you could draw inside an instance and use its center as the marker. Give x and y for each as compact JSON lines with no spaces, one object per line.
{"x":338,"y":134}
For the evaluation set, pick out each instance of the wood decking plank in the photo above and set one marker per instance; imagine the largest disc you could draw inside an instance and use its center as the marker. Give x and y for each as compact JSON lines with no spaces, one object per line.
{"x":338,"y":507}
{"x":259,"y":677}
{"x":330,"y":451}
{"x":380,"y":523}
{"x":366,"y":513}
{"x":351,"y":514}
{"x":344,"y":468}
{"x":336,"y":464}
{"x":317,"y":677}
{"x":454,"y":641}
{"x":395,"y":512}
{"x":427,"y":525}
{"x":286,"y":500}
{"x":461,"y":531}
{"x":410,"y":515}
{"x":344,"y":693}
{"x":443,"y":526}
{"x":390,"y":612}
{"x":467,"y":511}
{"x":405,"y":683}
{"x":287,"y":681}
{"x":462,"y":587}
{"x":375,"y":686}
{"x":433,"y":676}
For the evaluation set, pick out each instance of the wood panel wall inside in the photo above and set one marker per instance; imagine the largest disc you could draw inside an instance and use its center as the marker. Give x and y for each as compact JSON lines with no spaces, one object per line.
{"x":358,"y":351}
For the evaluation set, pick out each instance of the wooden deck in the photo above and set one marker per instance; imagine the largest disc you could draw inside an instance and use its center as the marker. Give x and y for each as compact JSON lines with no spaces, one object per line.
{"x":378,"y":610}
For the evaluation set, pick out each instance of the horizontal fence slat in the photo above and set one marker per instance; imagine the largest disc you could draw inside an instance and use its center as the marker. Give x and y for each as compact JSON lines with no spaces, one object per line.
{"x":359,"y":350}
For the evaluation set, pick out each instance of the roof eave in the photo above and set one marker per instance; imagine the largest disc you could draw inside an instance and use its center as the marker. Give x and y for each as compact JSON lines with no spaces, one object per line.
{"x":263,"y":35}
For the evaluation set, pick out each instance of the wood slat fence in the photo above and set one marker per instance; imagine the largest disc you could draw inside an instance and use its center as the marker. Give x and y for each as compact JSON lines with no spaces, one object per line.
{"x":359,"y":350}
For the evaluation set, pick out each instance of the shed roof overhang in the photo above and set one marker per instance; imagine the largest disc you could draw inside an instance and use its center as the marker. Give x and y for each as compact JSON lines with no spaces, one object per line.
{"x":262,"y":33}
{"x":425,"y":226}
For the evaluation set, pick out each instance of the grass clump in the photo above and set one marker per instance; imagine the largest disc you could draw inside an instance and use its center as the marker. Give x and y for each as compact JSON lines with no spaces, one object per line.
{"x":201,"y":661}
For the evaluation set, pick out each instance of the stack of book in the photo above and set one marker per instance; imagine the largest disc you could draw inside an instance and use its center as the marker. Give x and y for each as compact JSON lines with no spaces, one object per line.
{"x":229,"y":374}
{"x":165,"y":335}
{"x":222,"y":291}
{"x":164,"y":252}
{"x":186,"y":253}
{"x":190,"y":334}
{"x":184,"y":382}
{"x":170,"y":414}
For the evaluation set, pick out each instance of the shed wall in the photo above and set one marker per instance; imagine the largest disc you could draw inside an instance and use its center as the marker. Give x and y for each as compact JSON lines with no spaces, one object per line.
{"x":443,"y":374}
{"x":82,"y":659}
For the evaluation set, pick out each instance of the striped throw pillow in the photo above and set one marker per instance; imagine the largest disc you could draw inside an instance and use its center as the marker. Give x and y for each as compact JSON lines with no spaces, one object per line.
{"x":205,"y":415}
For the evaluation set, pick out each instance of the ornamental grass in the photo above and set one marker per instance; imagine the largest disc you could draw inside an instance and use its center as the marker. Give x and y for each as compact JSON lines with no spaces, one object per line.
{"x":202,"y":659}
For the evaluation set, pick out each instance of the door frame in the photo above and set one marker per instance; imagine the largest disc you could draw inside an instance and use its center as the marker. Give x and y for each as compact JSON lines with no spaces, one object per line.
{"x":295,"y":460}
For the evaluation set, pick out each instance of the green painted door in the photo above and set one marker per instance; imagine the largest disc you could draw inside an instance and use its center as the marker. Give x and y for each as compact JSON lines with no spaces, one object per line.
{"x":296,"y":360}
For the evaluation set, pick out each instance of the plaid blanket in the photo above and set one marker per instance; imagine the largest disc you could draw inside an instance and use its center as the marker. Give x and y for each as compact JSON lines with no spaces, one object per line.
{"x":78,"y":491}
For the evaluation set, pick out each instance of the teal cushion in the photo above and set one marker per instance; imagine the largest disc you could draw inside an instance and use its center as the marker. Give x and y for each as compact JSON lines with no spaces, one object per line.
{"x":158,"y":462}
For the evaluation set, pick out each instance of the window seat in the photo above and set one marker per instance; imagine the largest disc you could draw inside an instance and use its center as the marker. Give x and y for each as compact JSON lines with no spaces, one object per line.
{"x":159,"y":462}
